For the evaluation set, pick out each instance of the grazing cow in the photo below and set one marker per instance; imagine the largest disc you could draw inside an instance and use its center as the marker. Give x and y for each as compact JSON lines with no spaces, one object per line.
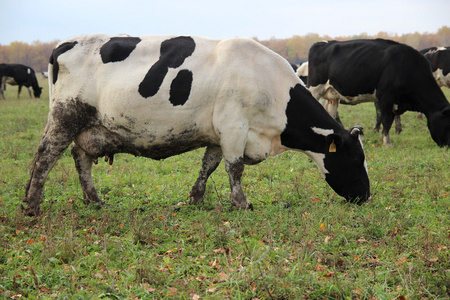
{"x":395,"y":75}
{"x":439,"y":58}
{"x":17,"y":74}
{"x":159,"y":96}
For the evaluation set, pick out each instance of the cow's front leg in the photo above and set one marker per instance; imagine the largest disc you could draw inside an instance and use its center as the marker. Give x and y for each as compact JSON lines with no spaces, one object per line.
{"x":235,"y":170}
{"x":18,"y":93}
{"x":30,"y":92}
{"x":83,"y":164}
{"x":398,"y":124}
{"x":210,"y":162}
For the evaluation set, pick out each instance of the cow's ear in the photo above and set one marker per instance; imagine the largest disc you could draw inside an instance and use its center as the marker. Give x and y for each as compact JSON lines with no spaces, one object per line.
{"x":446,"y":111}
{"x":334,"y":142}
{"x":356,"y":131}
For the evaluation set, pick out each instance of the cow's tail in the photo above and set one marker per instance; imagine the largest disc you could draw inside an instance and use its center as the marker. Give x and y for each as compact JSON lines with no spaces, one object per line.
{"x":50,"y":84}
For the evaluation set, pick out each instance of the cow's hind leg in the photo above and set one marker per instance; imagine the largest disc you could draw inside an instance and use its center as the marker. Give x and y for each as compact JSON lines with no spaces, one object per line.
{"x":51,"y":147}
{"x":377,"y":126}
{"x":210,"y":162}
{"x":397,"y":119}
{"x":66,"y":120}
{"x":83,"y":164}
{"x":387,"y":118}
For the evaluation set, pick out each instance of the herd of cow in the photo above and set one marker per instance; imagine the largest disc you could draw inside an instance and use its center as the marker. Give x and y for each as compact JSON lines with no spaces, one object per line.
{"x":159,"y":96}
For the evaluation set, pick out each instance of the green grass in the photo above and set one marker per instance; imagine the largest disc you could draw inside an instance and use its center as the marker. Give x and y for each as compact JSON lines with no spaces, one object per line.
{"x":302,"y":241}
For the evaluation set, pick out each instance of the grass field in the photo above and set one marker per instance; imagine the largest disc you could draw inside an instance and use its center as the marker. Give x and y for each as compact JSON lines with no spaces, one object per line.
{"x":302,"y":241}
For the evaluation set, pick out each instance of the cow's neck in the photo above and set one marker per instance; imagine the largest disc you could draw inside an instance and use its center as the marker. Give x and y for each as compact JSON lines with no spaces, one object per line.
{"x":308,"y":123}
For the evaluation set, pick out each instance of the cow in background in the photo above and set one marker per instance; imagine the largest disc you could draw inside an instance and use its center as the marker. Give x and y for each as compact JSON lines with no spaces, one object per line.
{"x":302,"y":71}
{"x":439,"y":58}
{"x":395,"y":75}
{"x":21,"y":75}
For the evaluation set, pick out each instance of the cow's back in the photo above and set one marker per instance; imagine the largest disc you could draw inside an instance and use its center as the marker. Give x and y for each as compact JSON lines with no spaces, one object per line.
{"x":212,"y":82}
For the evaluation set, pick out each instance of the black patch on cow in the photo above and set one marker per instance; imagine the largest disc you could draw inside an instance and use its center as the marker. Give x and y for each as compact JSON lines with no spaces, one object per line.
{"x":54,"y":57}
{"x":118,"y":48}
{"x":181,"y":88}
{"x":173,"y":52}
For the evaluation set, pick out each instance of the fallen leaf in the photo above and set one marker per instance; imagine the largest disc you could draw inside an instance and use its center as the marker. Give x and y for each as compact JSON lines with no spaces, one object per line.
{"x":441,"y":247}
{"x":329,"y":274}
{"x":322,"y":227}
{"x":211,"y":289}
{"x":223,"y":276}
{"x":357,"y":292}
{"x":44,"y":289}
{"x":361,"y":241}
{"x":401,"y":260}
{"x":329,"y":238}
{"x":320,"y":267}
{"x":219,"y":250}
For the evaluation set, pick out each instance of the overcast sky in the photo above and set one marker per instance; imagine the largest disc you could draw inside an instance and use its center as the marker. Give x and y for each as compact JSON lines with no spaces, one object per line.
{"x":49,"y":20}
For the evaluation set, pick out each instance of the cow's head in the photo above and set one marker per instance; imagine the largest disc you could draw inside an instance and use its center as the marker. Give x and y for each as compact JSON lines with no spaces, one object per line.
{"x":439,"y":126}
{"x":344,"y":165}
{"x":37,"y":92}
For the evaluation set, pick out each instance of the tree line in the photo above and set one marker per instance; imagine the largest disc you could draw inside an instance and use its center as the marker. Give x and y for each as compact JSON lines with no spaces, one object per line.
{"x":294,"y":49}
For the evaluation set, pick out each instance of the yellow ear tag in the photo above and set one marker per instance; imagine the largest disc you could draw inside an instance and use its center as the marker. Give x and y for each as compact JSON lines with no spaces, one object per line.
{"x":332,"y":147}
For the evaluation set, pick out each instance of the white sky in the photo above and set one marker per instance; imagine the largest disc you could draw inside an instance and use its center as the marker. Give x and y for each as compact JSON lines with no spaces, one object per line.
{"x":49,"y":20}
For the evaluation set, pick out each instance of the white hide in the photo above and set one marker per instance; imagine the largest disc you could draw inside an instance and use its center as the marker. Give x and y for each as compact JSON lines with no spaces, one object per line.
{"x":224,"y":107}
{"x":441,"y":79}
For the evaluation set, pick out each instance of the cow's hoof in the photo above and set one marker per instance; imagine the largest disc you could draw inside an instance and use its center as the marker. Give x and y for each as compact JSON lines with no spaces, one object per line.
{"x":31,"y":211}
{"x":243,"y":206}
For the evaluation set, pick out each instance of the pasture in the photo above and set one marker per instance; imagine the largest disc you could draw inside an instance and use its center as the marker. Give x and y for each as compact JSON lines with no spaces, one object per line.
{"x":302,"y":241}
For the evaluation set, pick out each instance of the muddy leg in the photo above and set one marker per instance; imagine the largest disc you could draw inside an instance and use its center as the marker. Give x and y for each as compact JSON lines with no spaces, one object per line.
{"x":211,"y":159}
{"x":235,"y":170}
{"x":398,"y":124}
{"x":50,"y":149}
{"x":83,"y":164}
{"x":377,"y":126}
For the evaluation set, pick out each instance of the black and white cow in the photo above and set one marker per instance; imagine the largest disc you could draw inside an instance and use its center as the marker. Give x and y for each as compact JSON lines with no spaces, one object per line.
{"x":21,"y":75}
{"x":159,"y":96}
{"x":395,"y":75}
{"x":439,"y":58}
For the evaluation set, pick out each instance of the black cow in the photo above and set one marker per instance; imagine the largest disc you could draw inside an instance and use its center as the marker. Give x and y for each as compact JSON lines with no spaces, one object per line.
{"x":21,"y":75}
{"x":439,"y":58}
{"x":394,"y":74}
